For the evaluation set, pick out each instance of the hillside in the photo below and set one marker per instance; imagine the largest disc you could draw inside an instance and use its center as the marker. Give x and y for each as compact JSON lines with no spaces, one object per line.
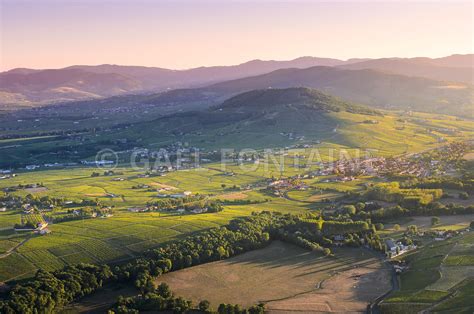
{"x":27,"y":87}
{"x":420,"y":67}
{"x":292,"y":116}
{"x":370,"y":87}
{"x":295,"y":97}
{"x":32,"y":87}
{"x":268,"y":118}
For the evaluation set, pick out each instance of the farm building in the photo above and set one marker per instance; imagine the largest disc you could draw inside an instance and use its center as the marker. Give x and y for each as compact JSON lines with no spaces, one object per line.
{"x":391,"y":246}
{"x":44,"y":231}
{"x":137,"y":209}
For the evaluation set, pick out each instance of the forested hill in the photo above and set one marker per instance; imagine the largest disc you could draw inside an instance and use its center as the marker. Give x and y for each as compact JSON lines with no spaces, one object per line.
{"x":296,"y":97}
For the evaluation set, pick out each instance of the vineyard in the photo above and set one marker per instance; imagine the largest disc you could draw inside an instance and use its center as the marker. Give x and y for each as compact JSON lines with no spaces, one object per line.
{"x":101,"y":240}
{"x":33,"y":219}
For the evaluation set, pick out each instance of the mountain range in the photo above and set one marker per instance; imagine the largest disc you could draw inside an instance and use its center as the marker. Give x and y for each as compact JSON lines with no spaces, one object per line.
{"x":28,"y":87}
{"x":369,"y":87}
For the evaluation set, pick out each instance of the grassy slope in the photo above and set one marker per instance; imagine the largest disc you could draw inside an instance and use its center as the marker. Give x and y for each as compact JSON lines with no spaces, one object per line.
{"x":252,"y":125}
{"x":432,"y":281}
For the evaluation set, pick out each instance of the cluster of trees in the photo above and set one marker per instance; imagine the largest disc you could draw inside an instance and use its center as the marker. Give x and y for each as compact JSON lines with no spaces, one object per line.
{"x":80,"y":213}
{"x":188,"y":203}
{"x":435,"y":208}
{"x":303,"y":242}
{"x":83,"y":202}
{"x":34,"y":202}
{"x":305,"y":233}
{"x":49,"y":291}
{"x":391,"y":192}
{"x":344,"y":227}
{"x":440,"y":183}
{"x":163,"y":299}
{"x":27,"y":225}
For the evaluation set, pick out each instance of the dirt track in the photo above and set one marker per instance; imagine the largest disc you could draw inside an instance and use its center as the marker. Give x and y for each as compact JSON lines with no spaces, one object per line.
{"x":346,"y":292}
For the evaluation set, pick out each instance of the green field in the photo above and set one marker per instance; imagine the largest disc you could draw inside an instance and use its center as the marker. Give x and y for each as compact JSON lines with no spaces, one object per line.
{"x":436,"y":277}
{"x":125,"y":234}
{"x":435,"y":272}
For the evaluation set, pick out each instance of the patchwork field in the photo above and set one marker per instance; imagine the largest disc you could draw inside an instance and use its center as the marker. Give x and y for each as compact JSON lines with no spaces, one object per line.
{"x":125,"y":234}
{"x":102,"y":240}
{"x":439,"y":274}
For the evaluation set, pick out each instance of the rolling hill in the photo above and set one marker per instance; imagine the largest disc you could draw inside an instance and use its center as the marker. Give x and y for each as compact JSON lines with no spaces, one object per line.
{"x":369,"y":87}
{"x":284,"y":117}
{"x":27,"y":87}
{"x":24,"y":87}
{"x":420,"y":67}
{"x":269,"y":118}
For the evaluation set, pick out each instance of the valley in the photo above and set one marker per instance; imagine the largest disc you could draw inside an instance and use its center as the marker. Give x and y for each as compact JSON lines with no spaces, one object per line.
{"x":311,"y":185}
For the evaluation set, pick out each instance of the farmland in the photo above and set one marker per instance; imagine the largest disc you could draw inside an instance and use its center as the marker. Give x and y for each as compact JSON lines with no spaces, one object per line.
{"x":125,"y":235}
{"x":103,"y":216}
{"x":119,"y":237}
{"x":438,"y":274}
{"x":301,"y":279}
{"x":151,"y":172}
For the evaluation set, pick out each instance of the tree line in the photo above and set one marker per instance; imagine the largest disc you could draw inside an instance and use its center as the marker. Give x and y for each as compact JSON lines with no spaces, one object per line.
{"x":48,"y":291}
{"x":163,"y":299}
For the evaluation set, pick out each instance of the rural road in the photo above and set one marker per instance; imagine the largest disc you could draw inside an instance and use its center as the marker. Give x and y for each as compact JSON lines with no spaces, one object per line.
{"x":13,"y":249}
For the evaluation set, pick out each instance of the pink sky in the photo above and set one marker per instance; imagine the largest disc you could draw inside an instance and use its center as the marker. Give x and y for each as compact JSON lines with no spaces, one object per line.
{"x":184,"y":34}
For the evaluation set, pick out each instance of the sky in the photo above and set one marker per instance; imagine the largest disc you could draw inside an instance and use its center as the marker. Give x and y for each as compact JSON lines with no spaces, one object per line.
{"x":183,"y":34}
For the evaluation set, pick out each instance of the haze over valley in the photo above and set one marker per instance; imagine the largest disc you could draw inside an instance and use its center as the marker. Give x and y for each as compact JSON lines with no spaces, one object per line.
{"x":239,"y":157}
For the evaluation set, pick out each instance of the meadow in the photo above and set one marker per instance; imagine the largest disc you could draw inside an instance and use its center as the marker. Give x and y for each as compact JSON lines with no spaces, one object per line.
{"x":302,"y":280}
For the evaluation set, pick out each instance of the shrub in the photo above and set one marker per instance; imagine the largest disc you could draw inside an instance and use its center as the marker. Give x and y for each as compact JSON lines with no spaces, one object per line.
{"x":435,"y":221}
{"x":379,"y":226}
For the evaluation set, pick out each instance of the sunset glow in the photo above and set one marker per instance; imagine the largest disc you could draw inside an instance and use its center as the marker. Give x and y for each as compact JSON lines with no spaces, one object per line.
{"x":184,"y":34}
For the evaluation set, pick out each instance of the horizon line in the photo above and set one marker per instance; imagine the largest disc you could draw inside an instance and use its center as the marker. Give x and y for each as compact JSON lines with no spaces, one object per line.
{"x":234,"y":64}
